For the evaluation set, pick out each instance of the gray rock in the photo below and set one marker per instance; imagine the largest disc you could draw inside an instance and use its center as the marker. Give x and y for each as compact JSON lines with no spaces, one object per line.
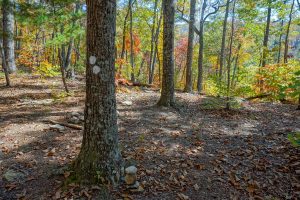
{"x":130,"y":175}
{"x":12,"y":175}
{"x":74,"y":120}
{"x":81,"y":117}
{"x":131,"y":170}
{"x":76,"y":114}
{"x":136,"y":185}
{"x":57,"y":127}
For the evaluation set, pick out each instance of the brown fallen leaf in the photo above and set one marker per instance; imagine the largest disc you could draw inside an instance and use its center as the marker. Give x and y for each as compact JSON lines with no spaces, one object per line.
{"x":51,"y":152}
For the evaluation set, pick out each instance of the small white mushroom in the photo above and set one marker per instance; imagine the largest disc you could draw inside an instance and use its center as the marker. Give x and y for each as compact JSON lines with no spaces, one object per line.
{"x":92,"y":60}
{"x":96,"y":69}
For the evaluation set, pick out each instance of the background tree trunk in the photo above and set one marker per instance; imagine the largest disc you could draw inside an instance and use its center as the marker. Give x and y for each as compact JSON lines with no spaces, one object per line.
{"x":266,"y":36}
{"x":4,"y":64}
{"x":286,"y":43}
{"x":280,"y":42}
{"x":201,"y":49}
{"x":152,"y":48}
{"x":167,"y":93}
{"x":189,"y":62}
{"x":265,"y":43}
{"x":222,"y":57}
{"x":8,"y":34}
{"x":100,"y":158}
{"x":124,"y":39}
{"x":131,"y":43}
{"x":229,"y":56}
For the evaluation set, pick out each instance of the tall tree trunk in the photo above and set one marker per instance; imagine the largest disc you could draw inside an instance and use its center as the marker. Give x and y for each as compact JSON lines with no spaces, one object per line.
{"x":229,"y":56}
{"x":222,"y":56}
{"x":124,"y":39}
{"x":189,"y":57}
{"x":4,"y":64}
{"x":201,"y":49}
{"x":280,"y":42}
{"x":67,"y":66}
{"x":152,"y":54}
{"x":265,"y":43}
{"x":266,"y":36}
{"x":286,"y":43}
{"x":100,"y":159}
{"x":131,"y":43}
{"x":8,"y":34}
{"x":167,"y":92}
{"x":235,"y":69}
{"x":62,"y":70}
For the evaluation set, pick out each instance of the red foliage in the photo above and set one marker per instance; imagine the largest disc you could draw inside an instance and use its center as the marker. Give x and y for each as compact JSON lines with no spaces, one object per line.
{"x":181,"y":51}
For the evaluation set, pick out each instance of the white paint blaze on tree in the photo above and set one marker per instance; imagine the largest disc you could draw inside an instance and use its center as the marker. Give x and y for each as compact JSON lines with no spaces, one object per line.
{"x":100,"y":159}
{"x":8,"y":34}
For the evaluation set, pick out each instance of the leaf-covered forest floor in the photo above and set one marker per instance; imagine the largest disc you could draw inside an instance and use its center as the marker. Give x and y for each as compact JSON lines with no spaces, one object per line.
{"x":192,"y":152}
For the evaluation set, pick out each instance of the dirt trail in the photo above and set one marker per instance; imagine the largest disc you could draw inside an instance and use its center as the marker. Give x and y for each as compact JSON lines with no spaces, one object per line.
{"x":190,"y":152}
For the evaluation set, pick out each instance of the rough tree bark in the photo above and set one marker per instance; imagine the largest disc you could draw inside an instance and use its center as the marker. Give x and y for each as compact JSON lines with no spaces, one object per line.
{"x":167,"y":92}
{"x":100,"y":159}
{"x":189,"y":62}
{"x":286,"y":43}
{"x":8,"y":34}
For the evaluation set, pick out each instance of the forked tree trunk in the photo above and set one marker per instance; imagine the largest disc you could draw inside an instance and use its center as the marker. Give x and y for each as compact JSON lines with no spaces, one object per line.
{"x":167,"y":92}
{"x":100,"y":159}
{"x":8,"y":34}
{"x":189,"y":62}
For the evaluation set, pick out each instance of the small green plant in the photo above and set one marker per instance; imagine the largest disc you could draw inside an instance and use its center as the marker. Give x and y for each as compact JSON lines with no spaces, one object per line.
{"x":294,"y":138}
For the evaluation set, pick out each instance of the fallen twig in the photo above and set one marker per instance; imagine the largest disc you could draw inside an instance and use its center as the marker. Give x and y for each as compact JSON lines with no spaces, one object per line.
{"x":73,"y":126}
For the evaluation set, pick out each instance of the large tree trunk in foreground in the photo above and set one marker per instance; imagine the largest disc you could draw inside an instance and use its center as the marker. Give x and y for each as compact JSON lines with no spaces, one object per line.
{"x":8,"y":34}
{"x":167,"y":92}
{"x":100,"y":159}
{"x":189,"y":62}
